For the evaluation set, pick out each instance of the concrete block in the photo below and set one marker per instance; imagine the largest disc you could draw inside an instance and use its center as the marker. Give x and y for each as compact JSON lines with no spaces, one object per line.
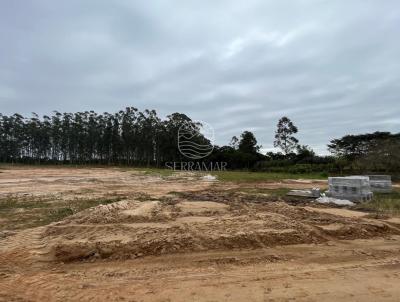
{"x":354,"y":188}
{"x":380,"y":183}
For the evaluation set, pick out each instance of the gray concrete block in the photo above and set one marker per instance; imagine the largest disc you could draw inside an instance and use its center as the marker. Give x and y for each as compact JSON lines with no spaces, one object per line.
{"x":380,"y":183}
{"x":354,"y":188}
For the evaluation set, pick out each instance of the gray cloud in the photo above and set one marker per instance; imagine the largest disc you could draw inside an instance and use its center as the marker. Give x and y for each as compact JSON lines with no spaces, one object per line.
{"x":331,"y":66}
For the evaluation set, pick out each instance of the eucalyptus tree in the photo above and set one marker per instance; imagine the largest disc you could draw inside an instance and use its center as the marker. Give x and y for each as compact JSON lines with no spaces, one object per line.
{"x":125,"y":137}
{"x":284,"y":135}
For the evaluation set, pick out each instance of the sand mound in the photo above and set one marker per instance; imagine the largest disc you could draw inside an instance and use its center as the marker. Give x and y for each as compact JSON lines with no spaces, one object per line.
{"x":126,"y":211}
{"x":131,"y":229}
{"x":203,"y":207}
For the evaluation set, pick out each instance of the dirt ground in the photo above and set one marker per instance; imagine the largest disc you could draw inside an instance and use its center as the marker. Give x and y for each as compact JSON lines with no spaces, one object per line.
{"x":181,"y":238}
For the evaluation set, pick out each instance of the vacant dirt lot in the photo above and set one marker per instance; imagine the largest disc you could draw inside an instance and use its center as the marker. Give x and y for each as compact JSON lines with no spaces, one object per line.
{"x":126,"y":235}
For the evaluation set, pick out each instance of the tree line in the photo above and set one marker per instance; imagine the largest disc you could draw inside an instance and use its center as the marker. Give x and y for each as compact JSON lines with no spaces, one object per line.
{"x":127,"y":137}
{"x":376,"y":152}
{"x":132,"y":137}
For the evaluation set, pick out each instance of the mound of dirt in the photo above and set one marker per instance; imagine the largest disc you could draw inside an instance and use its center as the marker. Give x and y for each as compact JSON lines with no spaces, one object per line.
{"x":125,"y":211}
{"x":202,"y":207}
{"x":131,"y":229}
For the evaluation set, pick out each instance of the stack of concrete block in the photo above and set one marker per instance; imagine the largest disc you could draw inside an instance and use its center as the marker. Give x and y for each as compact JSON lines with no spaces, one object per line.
{"x":380,"y":183}
{"x":354,"y":188}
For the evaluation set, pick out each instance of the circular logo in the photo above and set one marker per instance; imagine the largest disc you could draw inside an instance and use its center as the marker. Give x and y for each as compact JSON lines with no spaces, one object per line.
{"x":195,"y":139}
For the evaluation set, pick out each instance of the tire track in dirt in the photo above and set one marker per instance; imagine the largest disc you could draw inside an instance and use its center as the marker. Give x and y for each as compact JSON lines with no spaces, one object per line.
{"x":27,"y":247}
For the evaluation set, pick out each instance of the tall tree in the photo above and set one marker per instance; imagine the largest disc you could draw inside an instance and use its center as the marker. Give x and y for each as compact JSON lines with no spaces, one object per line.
{"x":248,"y":143}
{"x":284,"y":138}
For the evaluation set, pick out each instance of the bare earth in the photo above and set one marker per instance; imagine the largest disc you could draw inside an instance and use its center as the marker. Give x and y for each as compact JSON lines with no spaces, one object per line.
{"x":179,"y":238}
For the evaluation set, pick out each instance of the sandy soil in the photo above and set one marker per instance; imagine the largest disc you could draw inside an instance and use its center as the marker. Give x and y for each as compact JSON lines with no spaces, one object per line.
{"x":93,"y":181}
{"x":203,"y":244}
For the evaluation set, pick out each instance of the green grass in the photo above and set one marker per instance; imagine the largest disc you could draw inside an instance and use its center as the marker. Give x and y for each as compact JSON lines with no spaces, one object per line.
{"x":383,"y":203}
{"x":26,"y":212}
{"x":241,"y":176}
{"x":53,"y":215}
{"x":13,"y":202}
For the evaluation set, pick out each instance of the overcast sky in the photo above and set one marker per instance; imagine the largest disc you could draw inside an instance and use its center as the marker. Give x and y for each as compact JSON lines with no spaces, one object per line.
{"x":333,"y":67}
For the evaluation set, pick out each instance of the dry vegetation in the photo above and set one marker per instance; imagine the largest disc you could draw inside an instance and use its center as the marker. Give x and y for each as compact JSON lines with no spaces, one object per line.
{"x":113,"y":234}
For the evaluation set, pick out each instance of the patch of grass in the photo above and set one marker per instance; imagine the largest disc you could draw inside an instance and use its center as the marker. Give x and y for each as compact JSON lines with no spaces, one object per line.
{"x":383,"y":203}
{"x":26,"y":212}
{"x":53,"y":215}
{"x":64,"y":210}
{"x":14,"y":202}
{"x":241,"y":176}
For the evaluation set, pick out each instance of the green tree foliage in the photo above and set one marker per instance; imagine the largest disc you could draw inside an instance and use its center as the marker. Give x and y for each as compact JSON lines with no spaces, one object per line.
{"x":354,"y":146}
{"x":304,"y":152}
{"x":284,"y":138}
{"x":132,"y":137}
{"x":370,"y":152}
{"x":383,"y":156}
{"x":125,"y":137}
{"x":248,"y":143}
{"x":241,"y":153}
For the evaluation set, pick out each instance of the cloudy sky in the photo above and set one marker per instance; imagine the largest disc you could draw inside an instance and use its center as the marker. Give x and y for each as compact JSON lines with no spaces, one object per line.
{"x":333,"y":67}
